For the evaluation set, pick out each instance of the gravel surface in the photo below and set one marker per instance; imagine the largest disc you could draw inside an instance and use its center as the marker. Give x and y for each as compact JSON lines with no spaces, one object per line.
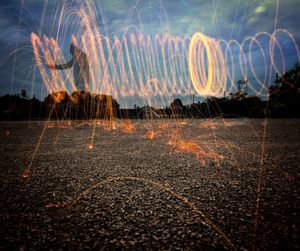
{"x":161,"y":185}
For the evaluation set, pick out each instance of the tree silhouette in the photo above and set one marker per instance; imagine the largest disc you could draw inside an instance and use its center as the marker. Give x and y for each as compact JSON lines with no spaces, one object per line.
{"x":285,"y":95}
{"x":177,"y":106}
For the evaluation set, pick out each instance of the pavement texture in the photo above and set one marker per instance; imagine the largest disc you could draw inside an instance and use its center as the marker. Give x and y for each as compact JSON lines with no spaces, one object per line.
{"x":150,"y":185}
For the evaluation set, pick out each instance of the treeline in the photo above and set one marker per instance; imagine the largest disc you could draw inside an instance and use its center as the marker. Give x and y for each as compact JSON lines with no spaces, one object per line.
{"x":284,"y":101}
{"x":85,"y":105}
{"x":59,"y":105}
{"x":285,"y":94}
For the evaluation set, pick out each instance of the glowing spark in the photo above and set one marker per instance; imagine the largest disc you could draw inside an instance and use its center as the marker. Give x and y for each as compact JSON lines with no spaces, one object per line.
{"x":190,"y":147}
{"x":127,"y":127}
{"x":55,"y":205}
{"x":151,"y":135}
{"x":26,"y":174}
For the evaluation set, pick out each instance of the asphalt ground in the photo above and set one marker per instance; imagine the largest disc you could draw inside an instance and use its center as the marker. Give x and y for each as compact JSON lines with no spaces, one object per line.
{"x":150,"y":185}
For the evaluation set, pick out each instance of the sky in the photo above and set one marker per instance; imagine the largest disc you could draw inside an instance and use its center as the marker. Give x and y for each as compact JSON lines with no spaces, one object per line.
{"x":220,"y":19}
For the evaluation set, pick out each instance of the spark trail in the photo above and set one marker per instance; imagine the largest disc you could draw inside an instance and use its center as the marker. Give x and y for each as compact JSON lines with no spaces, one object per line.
{"x":163,"y":65}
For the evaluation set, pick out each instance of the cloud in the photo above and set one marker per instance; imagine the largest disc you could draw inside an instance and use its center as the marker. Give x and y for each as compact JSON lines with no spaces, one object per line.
{"x":260,"y":9}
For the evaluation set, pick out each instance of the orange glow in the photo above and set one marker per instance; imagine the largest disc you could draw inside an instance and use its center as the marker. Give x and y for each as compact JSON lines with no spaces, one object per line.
{"x":190,"y":147}
{"x":55,"y":205}
{"x":127,"y":126}
{"x":26,"y":174}
{"x":208,"y":124}
{"x":210,"y":79}
{"x":151,"y":135}
{"x":58,"y":96}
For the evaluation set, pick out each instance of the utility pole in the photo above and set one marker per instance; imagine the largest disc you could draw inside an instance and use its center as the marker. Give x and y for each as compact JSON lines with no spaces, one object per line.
{"x":245,"y":85}
{"x":277,"y":81}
